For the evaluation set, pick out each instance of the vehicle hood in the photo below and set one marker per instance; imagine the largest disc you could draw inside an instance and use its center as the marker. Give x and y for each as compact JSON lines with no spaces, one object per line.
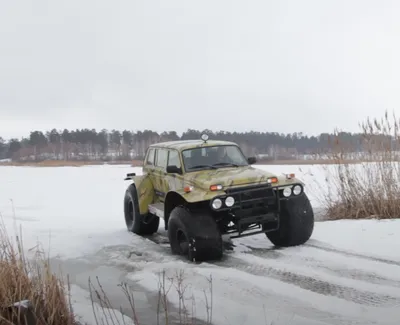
{"x":228,"y":177}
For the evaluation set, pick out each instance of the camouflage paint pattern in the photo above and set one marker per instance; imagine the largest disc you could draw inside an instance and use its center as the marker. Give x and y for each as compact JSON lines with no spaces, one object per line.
{"x":227,"y":177}
{"x":145,"y":192}
{"x":154,"y":184}
{"x":202,"y":180}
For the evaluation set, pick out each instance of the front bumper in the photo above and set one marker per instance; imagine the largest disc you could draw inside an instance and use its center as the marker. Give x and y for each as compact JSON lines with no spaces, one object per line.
{"x":256,"y":206}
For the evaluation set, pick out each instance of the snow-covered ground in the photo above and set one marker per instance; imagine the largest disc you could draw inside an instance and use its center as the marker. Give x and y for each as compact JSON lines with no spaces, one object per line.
{"x":348,"y":273}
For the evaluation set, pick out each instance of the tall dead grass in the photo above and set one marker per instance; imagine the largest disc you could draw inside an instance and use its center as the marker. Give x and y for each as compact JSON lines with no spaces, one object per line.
{"x":370,"y":189}
{"x":29,"y":292}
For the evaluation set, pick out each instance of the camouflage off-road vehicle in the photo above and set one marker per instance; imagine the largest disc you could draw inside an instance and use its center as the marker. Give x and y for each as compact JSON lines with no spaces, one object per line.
{"x":205,"y":189}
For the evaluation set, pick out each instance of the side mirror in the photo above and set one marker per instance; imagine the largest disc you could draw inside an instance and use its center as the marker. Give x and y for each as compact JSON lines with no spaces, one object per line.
{"x":172,"y":169}
{"x":251,"y":160}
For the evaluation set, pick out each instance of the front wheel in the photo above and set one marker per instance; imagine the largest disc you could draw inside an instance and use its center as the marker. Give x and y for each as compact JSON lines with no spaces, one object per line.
{"x":194,"y":234}
{"x":296,"y":222}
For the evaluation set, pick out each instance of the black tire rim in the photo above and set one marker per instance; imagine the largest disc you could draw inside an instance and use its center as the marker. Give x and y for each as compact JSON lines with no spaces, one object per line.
{"x":183,"y":242}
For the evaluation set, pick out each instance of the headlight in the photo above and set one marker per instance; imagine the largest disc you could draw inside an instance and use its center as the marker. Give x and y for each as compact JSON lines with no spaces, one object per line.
{"x":216,"y":204}
{"x":287,"y":192}
{"x":297,"y":190}
{"x":230,"y":201}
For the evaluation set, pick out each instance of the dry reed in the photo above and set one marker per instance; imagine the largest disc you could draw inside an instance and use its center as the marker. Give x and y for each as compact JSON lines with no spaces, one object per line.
{"x":370,"y":189}
{"x":42,"y":297}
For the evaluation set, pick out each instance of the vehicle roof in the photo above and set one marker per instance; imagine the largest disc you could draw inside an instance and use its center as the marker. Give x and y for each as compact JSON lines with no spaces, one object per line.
{"x":189,"y":144}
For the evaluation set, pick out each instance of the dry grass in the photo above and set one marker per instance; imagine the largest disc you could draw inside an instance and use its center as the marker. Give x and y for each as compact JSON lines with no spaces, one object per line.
{"x":370,"y":189}
{"x":34,"y":283}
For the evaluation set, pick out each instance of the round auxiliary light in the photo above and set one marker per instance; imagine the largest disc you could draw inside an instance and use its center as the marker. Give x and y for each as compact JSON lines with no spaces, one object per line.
{"x":287,"y":192}
{"x":230,"y":201}
{"x":297,"y":190}
{"x":204,"y":137}
{"x":216,"y":204}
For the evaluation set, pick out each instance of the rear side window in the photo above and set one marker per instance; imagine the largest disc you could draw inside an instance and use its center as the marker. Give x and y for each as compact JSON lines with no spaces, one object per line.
{"x":150,"y":157}
{"x":162,"y":156}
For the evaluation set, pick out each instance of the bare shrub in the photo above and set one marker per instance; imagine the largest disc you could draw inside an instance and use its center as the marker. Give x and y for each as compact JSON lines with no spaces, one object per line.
{"x":186,"y":314}
{"x":371,"y":188}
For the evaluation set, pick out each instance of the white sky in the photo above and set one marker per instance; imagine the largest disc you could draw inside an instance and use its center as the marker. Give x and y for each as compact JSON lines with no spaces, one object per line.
{"x":285,"y":66}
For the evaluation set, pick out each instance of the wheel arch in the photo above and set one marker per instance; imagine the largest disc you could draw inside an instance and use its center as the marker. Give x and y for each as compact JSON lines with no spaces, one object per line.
{"x":145,"y":192}
{"x":172,"y":200}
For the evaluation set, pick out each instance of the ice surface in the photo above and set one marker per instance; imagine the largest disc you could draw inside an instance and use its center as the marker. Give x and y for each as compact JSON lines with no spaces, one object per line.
{"x":348,"y":273}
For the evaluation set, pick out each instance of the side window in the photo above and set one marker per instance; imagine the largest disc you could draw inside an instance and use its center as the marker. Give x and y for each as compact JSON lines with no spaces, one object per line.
{"x":173,"y":158}
{"x":150,"y":158}
{"x":161,"y":159}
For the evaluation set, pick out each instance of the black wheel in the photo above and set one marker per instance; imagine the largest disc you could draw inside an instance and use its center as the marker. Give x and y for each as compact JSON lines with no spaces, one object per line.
{"x":194,"y":235}
{"x":296,"y":223}
{"x":135,"y":222}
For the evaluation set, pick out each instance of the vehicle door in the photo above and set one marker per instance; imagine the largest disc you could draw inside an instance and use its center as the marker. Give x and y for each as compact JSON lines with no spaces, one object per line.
{"x":160,"y":182}
{"x":174,"y":180}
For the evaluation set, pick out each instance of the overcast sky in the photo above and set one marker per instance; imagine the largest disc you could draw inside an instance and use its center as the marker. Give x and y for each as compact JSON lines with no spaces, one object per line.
{"x":285,"y":66}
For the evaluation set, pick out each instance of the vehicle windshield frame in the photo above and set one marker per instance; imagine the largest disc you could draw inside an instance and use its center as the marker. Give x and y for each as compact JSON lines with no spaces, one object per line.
{"x":245,"y":162}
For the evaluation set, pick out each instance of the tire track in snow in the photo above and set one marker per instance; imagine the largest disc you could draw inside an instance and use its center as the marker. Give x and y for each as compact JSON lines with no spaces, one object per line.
{"x":323,"y":247}
{"x":277,"y":253}
{"x":311,"y":284}
{"x":142,"y":252}
{"x":154,"y":249}
{"x":255,"y":292}
{"x":353,"y":274}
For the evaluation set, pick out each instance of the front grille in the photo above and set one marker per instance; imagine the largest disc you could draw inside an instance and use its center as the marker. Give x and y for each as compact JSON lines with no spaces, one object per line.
{"x":259,"y":195}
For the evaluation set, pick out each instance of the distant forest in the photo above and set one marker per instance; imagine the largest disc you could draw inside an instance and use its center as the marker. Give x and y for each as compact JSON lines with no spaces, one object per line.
{"x":89,"y":144}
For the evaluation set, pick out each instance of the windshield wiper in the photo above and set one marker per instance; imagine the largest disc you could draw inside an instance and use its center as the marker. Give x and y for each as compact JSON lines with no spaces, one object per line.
{"x":225,"y":164}
{"x":203,"y":166}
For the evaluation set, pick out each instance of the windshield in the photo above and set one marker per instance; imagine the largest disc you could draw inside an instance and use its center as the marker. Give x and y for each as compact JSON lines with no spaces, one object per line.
{"x":213,"y":157}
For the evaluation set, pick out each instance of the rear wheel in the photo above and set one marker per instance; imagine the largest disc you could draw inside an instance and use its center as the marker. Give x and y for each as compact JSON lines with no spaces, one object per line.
{"x":194,"y":234}
{"x":296,"y":222}
{"x":135,"y":222}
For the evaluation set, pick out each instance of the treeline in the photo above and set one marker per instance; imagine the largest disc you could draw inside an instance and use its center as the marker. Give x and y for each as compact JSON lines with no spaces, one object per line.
{"x":89,"y":144}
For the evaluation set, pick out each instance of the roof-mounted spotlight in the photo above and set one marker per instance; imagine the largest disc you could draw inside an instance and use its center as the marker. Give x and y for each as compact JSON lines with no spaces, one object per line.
{"x":204,"y":137}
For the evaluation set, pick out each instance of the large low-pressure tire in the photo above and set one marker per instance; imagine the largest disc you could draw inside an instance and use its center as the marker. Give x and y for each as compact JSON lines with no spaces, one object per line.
{"x":296,"y":223}
{"x":194,"y":234}
{"x":133,"y":219}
